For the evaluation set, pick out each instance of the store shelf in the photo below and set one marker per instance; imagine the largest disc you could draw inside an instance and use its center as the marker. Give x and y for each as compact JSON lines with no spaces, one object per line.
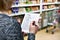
{"x":40,"y":10}
{"x":16,"y":14}
{"x":50,"y":23}
{"x":58,"y":3}
{"x":51,"y":3}
{"x":50,"y":9}
{"x":25,"y":5}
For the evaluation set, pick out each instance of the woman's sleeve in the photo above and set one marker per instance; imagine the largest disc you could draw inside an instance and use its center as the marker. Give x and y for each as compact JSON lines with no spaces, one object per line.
{"x":31,"y":36}
{"x":14,"y":32}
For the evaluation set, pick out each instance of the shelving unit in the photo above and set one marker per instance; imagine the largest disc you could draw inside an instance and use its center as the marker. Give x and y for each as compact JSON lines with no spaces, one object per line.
{"x":25,"y":5}
{"x":16,"y":14}
{"x":40,"y":8}
{"x":50,"y":9}
{"x":47,"y":8}
{"x":23,"y":13}
{"x":51,"y":3}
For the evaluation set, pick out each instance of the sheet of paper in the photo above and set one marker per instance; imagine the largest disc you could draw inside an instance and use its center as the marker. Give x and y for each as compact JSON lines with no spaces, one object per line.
{"x":28,"y":18}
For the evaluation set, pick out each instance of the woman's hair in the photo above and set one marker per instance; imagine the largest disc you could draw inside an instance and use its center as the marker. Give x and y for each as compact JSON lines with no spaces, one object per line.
{"x":5,"y":4}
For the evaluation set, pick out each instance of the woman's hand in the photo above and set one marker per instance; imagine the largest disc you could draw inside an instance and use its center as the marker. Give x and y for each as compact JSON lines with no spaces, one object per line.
{"x":33,"y":28}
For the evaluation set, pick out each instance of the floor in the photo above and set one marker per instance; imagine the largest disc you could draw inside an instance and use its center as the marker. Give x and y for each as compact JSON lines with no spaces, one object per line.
{"x":42,"y":35}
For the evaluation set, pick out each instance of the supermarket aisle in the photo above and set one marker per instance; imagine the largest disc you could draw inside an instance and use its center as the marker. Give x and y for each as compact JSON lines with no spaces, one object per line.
{"x":42,"y":35}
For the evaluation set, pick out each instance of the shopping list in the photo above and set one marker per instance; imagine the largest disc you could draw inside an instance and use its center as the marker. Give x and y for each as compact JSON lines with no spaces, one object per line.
{"x":28,"y":18}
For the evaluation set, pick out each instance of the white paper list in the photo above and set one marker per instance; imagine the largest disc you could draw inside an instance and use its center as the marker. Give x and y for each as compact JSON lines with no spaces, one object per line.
{"x":28,"y":18}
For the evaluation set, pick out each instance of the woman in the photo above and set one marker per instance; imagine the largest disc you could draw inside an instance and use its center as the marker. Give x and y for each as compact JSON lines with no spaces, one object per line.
{"x":10,"y":29}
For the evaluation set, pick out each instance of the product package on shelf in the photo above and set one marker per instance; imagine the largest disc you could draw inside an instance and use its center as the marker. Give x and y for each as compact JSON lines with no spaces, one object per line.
{"x":16,"y":2}
{"x":28,"y":2}
{"x":22,"y":10}
{"x":22,"y":1}
{"x":48,"y":6}
{"x":38,"y":1}
{"x":33,"y":1}
{"x":29,"y":18}
{"x":54,"y":0}
{"x":28,"y":9}
{"x":15,"y":10}
{"x":34,"y":8}
{"x":49,"y":1}
{"x":45,"y":7}
{"x":45,"y":1}
{"x":52,"y":6}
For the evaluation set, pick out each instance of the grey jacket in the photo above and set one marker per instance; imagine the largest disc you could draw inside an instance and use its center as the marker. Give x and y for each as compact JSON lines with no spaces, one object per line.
{"x":10,"y":29}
